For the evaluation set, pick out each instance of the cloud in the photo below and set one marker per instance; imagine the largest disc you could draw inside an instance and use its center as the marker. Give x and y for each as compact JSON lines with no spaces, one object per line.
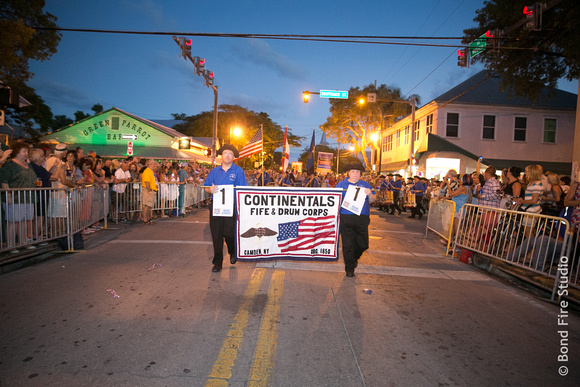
{"x":260,"y":53}
{"x":57,"y":93}
{"x":152,"y":10}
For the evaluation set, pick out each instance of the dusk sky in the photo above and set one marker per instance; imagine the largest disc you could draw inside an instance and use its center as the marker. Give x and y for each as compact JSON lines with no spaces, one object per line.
{"x":143,"y":75}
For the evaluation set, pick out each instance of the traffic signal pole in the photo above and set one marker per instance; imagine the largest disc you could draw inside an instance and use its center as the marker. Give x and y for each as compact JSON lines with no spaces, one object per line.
{"x":199,"y":64}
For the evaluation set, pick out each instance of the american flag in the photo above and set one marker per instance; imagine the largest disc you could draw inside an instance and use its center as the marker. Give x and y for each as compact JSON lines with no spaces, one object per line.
{"x":306,"y":234}
{"x":254,"y":146}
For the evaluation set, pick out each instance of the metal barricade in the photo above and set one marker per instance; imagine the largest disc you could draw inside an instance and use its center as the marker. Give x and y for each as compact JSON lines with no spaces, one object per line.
{"x":440,"y":219}
{"x":37,"y":215}
{"x":536,"y":242}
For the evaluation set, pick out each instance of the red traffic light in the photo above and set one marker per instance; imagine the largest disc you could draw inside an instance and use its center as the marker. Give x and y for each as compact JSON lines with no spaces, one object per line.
{"x":529,"y":10}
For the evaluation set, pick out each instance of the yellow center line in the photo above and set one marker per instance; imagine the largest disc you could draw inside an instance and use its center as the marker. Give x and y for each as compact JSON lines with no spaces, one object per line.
{"x":265,"y":354}
{"x":221,"y":371}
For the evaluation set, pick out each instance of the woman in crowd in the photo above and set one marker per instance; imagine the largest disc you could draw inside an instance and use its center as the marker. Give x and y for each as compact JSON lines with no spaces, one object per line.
{"x":572,"y":199}
{"x":530,"y":203}
{"x":460,"y":196}
{"x":554,"y":198}
{"x":513,"y":189}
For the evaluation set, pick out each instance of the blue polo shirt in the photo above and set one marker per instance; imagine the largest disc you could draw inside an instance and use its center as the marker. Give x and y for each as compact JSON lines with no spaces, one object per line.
{"x":397,"y":184}
{"x":361,"y":183}
{"x":233,"y":176}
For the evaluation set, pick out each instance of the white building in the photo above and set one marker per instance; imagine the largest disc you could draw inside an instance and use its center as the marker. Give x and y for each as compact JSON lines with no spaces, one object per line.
{"x":476,"y":119}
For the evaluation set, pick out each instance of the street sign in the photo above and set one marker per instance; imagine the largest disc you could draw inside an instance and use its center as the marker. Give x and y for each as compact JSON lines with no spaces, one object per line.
{"x":132,"y":137}
{"x":333,"y":94}
{"x":478,"y":45}
{"x":130,"y":148}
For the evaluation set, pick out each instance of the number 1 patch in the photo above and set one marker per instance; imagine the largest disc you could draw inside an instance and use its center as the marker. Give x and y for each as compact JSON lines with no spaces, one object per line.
{"x":223,"y":201}
{"x":354,"y":199}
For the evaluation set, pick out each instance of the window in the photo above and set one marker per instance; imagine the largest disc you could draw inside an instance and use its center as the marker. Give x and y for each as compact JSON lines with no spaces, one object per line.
{"x":488,"y":128}
{"x":429,"y":124}
{"x":416,"y":131}
{"x":406,"y":135}
{"x":452,"y":125}
{"x":115,"y":123}
{"x":389,"y":142}
{"x":520,"y":126}
{"x":384,"y":144}
{"x":550,"y":130}
{"x":398,"y":139}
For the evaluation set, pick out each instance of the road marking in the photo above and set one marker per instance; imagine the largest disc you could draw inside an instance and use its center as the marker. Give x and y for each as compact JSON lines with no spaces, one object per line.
{"x":221,"y":371}
{"x":265,"y":353}
{"x":161,"y":241}
{"x":460,"y":275}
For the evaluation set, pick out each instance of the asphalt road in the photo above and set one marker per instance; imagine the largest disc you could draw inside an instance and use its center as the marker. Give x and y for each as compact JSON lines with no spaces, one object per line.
{"x":428,"y":320}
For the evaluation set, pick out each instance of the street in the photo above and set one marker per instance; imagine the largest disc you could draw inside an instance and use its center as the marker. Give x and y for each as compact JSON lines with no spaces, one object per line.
{"x":411,"y":316}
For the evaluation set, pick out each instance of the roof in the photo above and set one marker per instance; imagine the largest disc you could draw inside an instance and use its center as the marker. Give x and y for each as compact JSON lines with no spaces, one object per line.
{"x":169,"y":131}
{"x":439,"y":144}
{"x":482,"y":91}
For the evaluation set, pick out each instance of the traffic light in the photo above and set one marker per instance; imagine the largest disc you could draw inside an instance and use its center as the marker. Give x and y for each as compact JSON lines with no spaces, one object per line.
{"x":207,"y":152}
{"x":186,"y":47}
{"x":199,"y":65}
{"x":533,"y":17}
{"x":209,"y":77}
{"x":462,"y":57}
{"x":306,"y":96}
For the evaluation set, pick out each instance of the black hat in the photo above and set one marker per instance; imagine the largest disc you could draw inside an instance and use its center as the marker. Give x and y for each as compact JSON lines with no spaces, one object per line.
{"x":390,"y":174}
{"x":355,"y":165}
{"x":398,"y":175}
{"x":228,"y":147}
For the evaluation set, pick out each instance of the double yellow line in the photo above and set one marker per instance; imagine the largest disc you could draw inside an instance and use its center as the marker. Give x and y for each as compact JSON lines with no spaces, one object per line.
{"x":265,"y":352}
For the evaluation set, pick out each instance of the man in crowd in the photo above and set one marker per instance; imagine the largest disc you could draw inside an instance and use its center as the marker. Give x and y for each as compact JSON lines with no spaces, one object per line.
{"x":54,"y":161}
{"x":122,"y":177}
{"x":489,"y":196}
{"x":149,"y":190}
{"x":418,"y":189}
{"x":397,"y":187}
{"x":223,"y":227}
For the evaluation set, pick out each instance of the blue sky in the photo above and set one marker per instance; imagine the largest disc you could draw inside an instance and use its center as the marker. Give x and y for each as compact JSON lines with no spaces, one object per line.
{"x":143,"y":75}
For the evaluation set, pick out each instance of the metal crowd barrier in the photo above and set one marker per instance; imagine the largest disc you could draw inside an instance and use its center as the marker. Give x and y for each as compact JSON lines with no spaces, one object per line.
{"x":440,"y":219}
{"x":128,"y":202}
{"x":38,"y":215}
{"x":536,"y":242}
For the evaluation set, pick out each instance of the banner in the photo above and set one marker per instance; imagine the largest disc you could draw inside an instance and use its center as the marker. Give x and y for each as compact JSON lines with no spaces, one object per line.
{"x":287,"y":223}
{"x":324,"y":164}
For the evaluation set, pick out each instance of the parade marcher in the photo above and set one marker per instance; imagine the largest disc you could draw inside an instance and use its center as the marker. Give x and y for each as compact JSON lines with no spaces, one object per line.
{"x":223,"y":227}
{"x":312,"y":180}
{"x":262,"y":178}
{"x":285,"y":180}
{"x":354,"y":229}
{"x":418,"y":189}
{"x":397,"y":187}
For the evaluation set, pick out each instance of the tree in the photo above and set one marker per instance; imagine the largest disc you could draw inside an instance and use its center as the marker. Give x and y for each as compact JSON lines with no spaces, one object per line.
{"x":528,"y":61}
{"x":230,"y":116}
{"x":21,"y":39}
{"x":353,"y":123}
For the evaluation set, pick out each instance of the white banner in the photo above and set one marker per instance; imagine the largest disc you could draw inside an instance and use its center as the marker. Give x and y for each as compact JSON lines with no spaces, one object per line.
{"x":287,"y":223}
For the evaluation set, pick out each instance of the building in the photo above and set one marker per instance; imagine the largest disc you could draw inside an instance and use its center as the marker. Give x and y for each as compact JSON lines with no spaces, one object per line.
{"x":476,"y":118}
{"x":116,"y":133}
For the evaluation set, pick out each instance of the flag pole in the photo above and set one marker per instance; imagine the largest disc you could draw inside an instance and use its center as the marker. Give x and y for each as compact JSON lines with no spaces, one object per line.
{"x":262,"y":152}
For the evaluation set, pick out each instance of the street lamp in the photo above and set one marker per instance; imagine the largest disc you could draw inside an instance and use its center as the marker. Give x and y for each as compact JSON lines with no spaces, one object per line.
{"x":236,"y":131}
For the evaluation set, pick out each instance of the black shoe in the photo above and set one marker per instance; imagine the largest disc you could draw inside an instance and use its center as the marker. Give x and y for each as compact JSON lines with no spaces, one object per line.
{"x":350,"y":273}
{"x":233,"y":259}
{"x":216,"y":268}
{"x":412,"y":216}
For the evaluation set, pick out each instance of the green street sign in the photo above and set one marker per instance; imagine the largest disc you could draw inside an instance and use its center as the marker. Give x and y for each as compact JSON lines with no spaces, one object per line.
{"x":478,"y":45}
{"x":333,"y":94}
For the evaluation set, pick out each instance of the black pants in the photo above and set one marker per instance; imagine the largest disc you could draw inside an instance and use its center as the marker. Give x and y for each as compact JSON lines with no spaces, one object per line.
{"x":395,"y":205}
{"x":354,"y":231}
{"x":222,"y":228}
{"x":419,"y":209}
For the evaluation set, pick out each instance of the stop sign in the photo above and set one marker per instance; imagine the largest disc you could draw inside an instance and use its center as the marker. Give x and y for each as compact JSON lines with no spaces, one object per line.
{"x":130,"y":148}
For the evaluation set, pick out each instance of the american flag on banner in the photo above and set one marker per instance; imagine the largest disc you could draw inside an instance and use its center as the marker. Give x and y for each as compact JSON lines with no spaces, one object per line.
{"x":306,"y":234}
{"x":254,"y":146}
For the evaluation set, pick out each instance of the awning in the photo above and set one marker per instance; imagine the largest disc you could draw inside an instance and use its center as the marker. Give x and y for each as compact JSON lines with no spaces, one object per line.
{"x":119,"y":151}
{"x":394,"y":166}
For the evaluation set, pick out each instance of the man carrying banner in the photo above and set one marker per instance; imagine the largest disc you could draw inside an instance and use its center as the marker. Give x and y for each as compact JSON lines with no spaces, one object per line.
{"x":223,"y":227}
{"x":354,"y":228}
